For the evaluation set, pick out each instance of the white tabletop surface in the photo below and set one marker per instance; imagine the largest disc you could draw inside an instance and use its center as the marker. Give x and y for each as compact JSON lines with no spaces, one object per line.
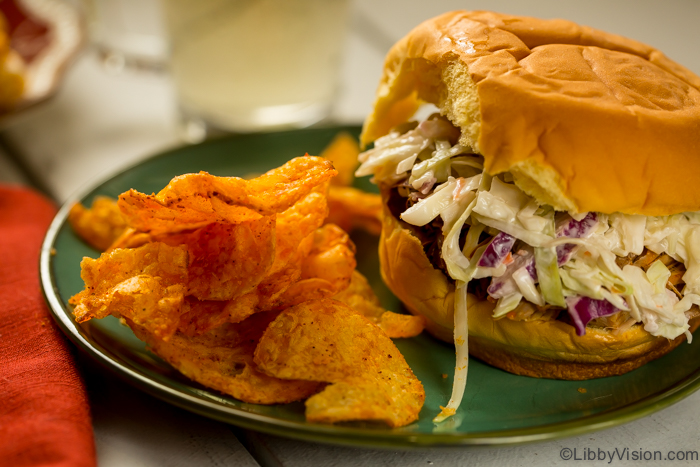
{"x":101,"y":122}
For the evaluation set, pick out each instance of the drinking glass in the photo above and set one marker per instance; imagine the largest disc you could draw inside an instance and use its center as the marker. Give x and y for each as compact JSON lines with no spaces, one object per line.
{"x":250,"y":65}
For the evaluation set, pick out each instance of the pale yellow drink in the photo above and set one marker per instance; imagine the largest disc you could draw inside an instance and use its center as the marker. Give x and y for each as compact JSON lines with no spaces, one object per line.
{"x":253,"y":64}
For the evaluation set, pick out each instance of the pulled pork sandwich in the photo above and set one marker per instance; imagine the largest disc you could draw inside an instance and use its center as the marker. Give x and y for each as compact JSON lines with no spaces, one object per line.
{"x":555,"y":197}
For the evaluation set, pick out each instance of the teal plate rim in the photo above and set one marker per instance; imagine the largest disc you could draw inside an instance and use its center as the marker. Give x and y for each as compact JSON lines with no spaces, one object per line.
{"x":331,"y":434}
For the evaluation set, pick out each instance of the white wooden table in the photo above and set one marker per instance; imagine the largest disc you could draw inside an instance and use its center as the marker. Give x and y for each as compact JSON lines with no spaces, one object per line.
{"x":100,"y":123}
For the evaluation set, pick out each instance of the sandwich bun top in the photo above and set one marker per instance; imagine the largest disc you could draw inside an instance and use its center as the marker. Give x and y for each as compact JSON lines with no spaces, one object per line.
{"x":584,"y":120}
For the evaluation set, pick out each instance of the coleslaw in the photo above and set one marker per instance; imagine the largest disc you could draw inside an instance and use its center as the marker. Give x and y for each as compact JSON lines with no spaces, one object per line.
{"x":581,"y":263}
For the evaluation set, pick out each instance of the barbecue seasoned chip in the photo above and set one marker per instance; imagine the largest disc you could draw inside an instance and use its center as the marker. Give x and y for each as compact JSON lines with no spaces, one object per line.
{"x":131,"y":238}
{"x":222,"y":359}
{"x":325,"y":271}
{"x":351,"y":209}
{"x":294,"y":241}
{"x":322,"y":268}
{"x":397,"y":325}
{"x":266,"y":296}
{"x":360,"y":297}
{"x":145,"y":285}
{"x":100,"y":225}
{"x":294,"y":225}
{"x":194,"y":200}
{"x":343,"y":152}
{"x":201,"y":316}
{"x":227,"y":260}
{"x":325,"y":340}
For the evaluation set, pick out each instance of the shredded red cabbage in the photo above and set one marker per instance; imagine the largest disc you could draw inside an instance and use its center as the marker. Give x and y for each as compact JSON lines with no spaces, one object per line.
{"x":505,"y":284}
{"x":498,"y":249}
{"x":574,"y":229}
{"x":584,"y":309}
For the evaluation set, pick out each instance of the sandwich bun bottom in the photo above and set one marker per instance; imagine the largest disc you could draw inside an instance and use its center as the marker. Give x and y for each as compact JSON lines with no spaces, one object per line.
{"x":543,"y":349}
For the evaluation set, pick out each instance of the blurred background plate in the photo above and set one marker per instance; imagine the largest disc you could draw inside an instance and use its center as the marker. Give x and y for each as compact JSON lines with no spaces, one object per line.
{"x":47,"y":35}
{"x":498,"y":408}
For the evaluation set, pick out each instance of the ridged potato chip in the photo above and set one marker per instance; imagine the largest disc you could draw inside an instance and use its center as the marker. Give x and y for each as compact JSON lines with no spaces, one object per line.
{"x":145,"y":284}
{"x":343,"y":152}
{"x":131,"y":238}
{"x":327,"y":341}
{"x":360,"y":297}
{"x":227,"y":260}
{"x":397,"y":325}
{"x":200,"y":316}
{"x":222,"y":359}
{"x":294,"y":241}
{"x":100,"y":225}
{"x":194,"y":200}
{"x":294,"y":225}
{"x":326,"y":270}
{"x":266,"y":296}
{"x":351,"y":208}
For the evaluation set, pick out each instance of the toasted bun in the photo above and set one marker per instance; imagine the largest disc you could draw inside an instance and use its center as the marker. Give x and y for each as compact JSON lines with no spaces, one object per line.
{"x":583,"y":119}
{"x":546,"y":349}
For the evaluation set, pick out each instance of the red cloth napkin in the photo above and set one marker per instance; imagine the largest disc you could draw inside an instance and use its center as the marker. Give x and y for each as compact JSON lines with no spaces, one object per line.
{"x":44,"y":412}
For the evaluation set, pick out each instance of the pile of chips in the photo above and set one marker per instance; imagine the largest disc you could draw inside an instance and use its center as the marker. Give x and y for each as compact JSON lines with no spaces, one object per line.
{"x":244,"y":287}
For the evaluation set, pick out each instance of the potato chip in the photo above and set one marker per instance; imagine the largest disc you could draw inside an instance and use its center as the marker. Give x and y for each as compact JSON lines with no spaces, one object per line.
{"x":200,"y":316}
{"x":100,"y":225}
{"x":325,"y":340}
{"x":267,"y":295}
{"x":343,"y":152}
{"x":195,"y":200}
{"x":351,"y":209}
{"x":145,"y":284}
{"x":360,"y":297}
{"x":294,"y":241}
{"x":295,"y":224}
{"x":325,"y":271}
{"x":130,"y":238}
{"x":280,"y":188}
{"x":145,"y":213}
{"x":397,"y":325}
{"x":223,"y":360}
{"x":332,"y":257}
{"x":227,"y":260}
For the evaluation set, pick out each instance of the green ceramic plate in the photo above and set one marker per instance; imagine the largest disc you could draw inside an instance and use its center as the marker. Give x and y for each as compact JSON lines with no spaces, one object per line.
{"x":498,"y":408}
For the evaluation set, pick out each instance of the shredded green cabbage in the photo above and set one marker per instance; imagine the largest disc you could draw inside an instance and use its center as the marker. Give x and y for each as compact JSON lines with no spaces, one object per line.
{"x":507,"y":304}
